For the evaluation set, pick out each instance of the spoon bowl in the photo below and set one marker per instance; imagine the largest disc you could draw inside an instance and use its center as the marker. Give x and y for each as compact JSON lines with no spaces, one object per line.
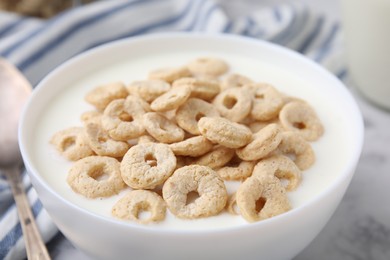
{"x":14,"y":92}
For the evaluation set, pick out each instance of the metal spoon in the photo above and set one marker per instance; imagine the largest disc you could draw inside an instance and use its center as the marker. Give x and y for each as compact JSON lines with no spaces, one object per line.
{"x":14,"y":91}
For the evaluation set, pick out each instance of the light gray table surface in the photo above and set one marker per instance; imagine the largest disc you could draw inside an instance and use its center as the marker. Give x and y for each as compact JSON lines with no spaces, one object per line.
{"x":360,"y":227}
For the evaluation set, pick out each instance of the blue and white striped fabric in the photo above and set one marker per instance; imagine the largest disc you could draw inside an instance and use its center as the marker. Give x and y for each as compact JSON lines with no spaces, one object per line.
{"x":37,"y":46}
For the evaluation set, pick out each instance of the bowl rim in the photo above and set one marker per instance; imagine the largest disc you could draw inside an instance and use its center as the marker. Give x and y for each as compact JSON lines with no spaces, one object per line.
{"x":291,"y":54}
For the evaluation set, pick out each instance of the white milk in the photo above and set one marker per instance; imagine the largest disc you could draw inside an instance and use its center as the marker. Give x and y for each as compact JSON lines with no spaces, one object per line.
{"x":367,"y":35}
{"x":64,"y":111}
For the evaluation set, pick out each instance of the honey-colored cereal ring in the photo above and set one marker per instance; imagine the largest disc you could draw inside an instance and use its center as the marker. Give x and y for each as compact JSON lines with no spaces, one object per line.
{"x":195,"y":178}
{"x":162,"y":129}
{"x":263,"y":143}
{"x":216,"y":158}
{"x":208,"y":66}
{"x":102,"y":144}
{"x":235,"y":80}
{"x":148,"y":90}
{"x":170,"y":74}
{"x":262,"y":197}
{"x":101,"y":96}
{"x":303,"y":154}
{"x":119,"y":124}
{"x":88,"y":177}
{"x":136,"y":107}
{"x":92,"y":116}
{"x":72,"y":143}
{"x":282,"y":167}
{"x":267,"y":102}
{"x":134,"y":202}
{"x":172,"y":99}
{"x":193,"y":146}
{"x":203,"y":88}
{"x":256,"y":126}
{"x":146,"y":139}
{"x":224,"y":132}
{"x":147,"y":165}
{"x":234,"y":103}
{"x":300,"y":117}
{"x":236,"y":170}
{"x":188,"y":115}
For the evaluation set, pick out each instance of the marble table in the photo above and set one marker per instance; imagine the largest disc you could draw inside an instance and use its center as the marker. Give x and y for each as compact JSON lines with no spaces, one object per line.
{"x":360,"y":227}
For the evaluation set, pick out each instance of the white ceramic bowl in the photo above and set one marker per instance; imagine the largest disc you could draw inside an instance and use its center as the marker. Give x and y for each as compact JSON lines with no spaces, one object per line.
{"x":281,"y":237}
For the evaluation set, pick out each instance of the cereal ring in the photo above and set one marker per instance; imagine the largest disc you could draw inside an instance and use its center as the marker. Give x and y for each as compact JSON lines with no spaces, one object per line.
{"x":101,"y":96}
{"x":236,"y":170}
{"x":162,"y":129}
{"x":119,"y":124}
{"x":148,"y":90}
{"x":267,"y":102}
{"x":216,"y":158}
{"x":170,"y":74}
{"x":281,"y":167}
{"x":102,"y":144}
{"x":195,"y":179}
{"x":193,"y":146}
{"x":96,"y":176}
{"x":188,"y":115}
{"x":135,"y":202}
{"x":260,"y":198}
{"x":234,"y":103}
{"x":72,"y":143}
{"x":172,"y":99}
{"x":146,"y":139}
{"x":92,"y":116}
{"x":294,"y":146}
{"x":136,"y":107}
{"x":224,"y":132}
{"x":234,"y":81}
{"x":202,"y":88}
{"x":208,"y":66}
{"x":147,"y":165}
{"x":301,"y":117}
{"x":263,"y":142}
{"x":256,"y":126}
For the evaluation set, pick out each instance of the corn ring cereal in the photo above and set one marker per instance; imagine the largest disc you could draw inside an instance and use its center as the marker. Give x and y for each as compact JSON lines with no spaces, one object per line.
{"x":188,"y":115}
{"x":119,"y":124}
{"x":170,"y":74}
{"x":267,"y":102}
{"x":234,"y":103}
{"x":202,"y":88}
{"x":216,"y":158}
{"x":224,"y":132}
{"x":88,"y":177}
{"x":101,"y":96}
{"x":198,"y":179}
{"x":135,"y":202}
{"x":162,"y":129}
{"x":259,"y":198}
{"x":235,"y":80}
{"x":300,"y":117}
{"x":208,"y":66}
{"x":148,"y":90}
{"x":263,"y":143}
{"x":236,"y":170}
{"x":172,"y":99}
{"x":147,"y":165}
{"x":193,"y":146}
{"x":72,"y":143}
{"x":282,"y":167}
{"x":302,"y":153}
{"x":102,"y":144}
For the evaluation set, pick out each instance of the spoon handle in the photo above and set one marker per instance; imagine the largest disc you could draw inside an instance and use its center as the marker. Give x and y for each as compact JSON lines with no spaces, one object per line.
{"x":35,"y":246}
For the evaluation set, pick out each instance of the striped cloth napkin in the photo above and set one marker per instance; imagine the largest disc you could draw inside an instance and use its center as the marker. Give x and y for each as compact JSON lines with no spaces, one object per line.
{"x":37,"y":46}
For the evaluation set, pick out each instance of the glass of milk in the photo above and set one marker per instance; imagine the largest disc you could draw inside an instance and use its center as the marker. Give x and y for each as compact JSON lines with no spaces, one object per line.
{"x":367,"y":35}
